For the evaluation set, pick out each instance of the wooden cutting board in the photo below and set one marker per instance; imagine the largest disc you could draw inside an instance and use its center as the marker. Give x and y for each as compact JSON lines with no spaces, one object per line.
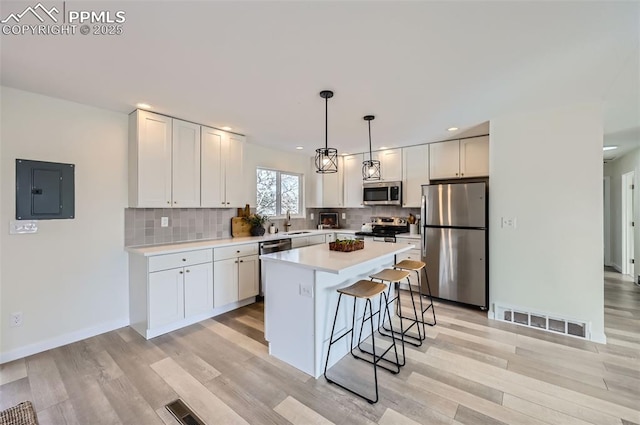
{"x":239,"y":227}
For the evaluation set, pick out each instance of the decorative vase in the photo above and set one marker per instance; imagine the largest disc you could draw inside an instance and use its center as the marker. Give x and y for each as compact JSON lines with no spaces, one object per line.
{"x":257,"y":231}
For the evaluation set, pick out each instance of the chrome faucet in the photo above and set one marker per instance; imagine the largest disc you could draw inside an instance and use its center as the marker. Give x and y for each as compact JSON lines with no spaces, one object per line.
{"x":287,"y":223}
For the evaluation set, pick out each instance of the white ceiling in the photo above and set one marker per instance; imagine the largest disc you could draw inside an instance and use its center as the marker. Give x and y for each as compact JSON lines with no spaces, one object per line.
{"x":419,"y":67}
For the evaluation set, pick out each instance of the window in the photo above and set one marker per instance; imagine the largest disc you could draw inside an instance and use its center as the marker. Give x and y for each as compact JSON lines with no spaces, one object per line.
{"x":278,"y":192}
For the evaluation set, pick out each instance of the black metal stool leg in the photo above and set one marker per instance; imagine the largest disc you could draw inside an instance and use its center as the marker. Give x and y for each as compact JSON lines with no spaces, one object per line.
{"x":430,"y":306}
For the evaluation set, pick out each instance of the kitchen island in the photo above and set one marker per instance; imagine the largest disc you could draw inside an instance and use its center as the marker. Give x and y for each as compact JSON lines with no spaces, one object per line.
{"x":301,"y":298}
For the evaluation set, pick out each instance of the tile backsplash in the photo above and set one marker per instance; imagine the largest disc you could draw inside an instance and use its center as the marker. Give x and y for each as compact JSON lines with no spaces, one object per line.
{"x":142,"y":225}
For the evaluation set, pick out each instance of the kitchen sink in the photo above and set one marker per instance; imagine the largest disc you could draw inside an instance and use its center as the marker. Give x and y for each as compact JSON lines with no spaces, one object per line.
{"x":298,"y":233}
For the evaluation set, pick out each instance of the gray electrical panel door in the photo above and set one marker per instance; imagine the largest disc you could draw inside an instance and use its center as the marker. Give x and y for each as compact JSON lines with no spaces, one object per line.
{"x":44,"y":190}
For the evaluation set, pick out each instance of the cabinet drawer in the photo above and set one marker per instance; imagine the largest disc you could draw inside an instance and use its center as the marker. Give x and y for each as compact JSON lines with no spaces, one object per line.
{"x":186,"y":258}
{"x":316,"y":239}
{"x":412,"y":254}
{"x":227,"y":252}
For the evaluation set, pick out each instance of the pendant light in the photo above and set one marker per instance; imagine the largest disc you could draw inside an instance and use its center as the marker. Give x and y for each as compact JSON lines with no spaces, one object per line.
{"x":370,"y":168}
{"x":326,"y":158}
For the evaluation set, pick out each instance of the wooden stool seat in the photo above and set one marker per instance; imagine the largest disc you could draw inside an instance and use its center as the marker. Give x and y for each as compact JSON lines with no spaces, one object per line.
{"x":391,"y":275}
{"x":412,"y":265}
{"x":363,"y":289}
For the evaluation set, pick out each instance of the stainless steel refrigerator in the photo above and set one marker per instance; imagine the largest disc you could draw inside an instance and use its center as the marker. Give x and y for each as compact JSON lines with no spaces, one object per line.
{"x":454,"y":241}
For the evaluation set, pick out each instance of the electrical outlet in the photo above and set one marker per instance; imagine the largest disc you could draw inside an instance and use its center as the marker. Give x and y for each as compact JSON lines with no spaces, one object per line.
{"x":508,"y":222}
{"x":344,"y":216}
{"x":164,"y":221}
{"x":311,"y":216}
{"x":15,"y":319}
{"x":306,"y":290}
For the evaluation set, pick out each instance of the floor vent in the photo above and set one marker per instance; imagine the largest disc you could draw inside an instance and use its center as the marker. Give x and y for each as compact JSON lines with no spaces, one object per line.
{"x":183,"y":414}
{"x":545,"y":322}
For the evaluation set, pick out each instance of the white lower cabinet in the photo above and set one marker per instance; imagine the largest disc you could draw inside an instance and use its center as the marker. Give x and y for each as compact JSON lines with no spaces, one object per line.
{"x":307,"y":240}
{"x":180,"y":293}
{"x":169,"y":291}
{"x":413,"y":254}
{"x":235,"y":273}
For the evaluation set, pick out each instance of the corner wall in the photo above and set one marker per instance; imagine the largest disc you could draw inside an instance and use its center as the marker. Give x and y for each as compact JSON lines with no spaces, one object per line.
{"x":614,"y":170}
{"x":70,"y":279}
{"x":546,"y":172}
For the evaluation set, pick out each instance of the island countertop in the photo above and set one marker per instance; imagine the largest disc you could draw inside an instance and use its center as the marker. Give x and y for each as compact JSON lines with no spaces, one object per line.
{"x":319,"y":257}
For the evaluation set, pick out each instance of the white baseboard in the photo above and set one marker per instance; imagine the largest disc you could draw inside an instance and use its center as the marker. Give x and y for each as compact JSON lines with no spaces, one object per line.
{"x":61,"y":340}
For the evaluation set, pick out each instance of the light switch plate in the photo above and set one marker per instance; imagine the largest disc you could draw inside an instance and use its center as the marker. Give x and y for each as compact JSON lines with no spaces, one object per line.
{"x":164,"y":221}
{"x":17,"y":227}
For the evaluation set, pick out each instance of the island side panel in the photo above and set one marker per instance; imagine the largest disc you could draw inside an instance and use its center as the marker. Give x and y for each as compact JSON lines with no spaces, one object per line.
{"x":290,"y":315}
{"x":326,"y":300}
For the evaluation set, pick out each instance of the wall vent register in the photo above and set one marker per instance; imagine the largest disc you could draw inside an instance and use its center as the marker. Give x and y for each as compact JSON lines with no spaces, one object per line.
{"x":544,"y":322}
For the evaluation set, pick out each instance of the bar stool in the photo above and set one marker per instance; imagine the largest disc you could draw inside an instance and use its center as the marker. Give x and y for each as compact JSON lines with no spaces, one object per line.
{"x":394,"y":277}
{"x":418,"y":266}
{"x":364,"y":289}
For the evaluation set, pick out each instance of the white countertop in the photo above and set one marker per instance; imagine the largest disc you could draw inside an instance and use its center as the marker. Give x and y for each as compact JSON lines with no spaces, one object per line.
{"x":319,"y":257}
{"x":149,"y":250}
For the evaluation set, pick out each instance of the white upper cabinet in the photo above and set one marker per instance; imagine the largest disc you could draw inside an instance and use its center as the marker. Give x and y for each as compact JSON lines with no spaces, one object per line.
{"x":352,"y":175}
{"x":459,"y":158}
{"x":474,"y":157}
{"x":390,"y":164}
{"x":325,"y":190}
{"x":444,"y":160}
{"x":185,"y":191}
{"x":415,"y":173}
{"x":150,"y":148}
{"x":222,"y":169}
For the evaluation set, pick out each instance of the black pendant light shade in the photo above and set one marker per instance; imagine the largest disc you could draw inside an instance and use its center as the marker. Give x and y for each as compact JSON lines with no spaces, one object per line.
{"x":326,"y":158}
{"x":371,"y":167}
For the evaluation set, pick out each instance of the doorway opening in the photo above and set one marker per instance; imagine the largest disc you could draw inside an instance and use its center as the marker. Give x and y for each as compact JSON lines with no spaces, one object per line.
{"x":627,"y":224}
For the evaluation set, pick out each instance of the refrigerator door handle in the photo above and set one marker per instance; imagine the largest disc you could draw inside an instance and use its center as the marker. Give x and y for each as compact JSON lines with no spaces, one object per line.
{"x":423,"y":220}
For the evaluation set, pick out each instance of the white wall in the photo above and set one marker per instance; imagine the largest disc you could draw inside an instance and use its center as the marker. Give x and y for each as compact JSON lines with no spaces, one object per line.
{"x":546,"y":171}
{"x":614,"y":170}
{"x":70,"y":279}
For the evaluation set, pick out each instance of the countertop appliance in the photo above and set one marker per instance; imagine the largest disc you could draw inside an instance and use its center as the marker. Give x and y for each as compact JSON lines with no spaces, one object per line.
{"x":275,"y":245}
{"x":382,"y":193}
{"x":454,"y":241}
{"x":385,"y":229}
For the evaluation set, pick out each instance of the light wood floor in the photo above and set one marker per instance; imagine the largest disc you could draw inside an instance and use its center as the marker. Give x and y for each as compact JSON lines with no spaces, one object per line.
{"x":469,"y":371}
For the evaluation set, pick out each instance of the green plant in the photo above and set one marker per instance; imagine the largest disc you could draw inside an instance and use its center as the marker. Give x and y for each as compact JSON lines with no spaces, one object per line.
{"x":256,"y":220}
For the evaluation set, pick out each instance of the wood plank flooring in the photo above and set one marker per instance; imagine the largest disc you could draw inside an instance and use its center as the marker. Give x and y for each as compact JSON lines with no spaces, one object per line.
{"x":470,"y":371}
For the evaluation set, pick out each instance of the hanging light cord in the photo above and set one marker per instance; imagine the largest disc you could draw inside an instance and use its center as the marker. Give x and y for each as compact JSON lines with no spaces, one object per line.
{"x":326,"y":125}
{"x":370,"y":155}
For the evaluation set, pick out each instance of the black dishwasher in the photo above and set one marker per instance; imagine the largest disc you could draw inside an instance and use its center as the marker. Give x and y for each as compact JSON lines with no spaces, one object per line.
{"x":268,"y":247}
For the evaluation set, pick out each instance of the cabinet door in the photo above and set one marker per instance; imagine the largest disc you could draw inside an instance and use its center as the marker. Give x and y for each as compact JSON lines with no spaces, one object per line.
{"x":298,"y":242}
{"x":415,"y":170}
{"x":444,"y":160}
{"x":390,"y":164}
{"x":313,"y":194}
{"x":248,"y":277}
{"x":212,"y":174}
{"x":166,"y":297}
{"x":234,"y":172}
{"x":186,"y":165}
{"x":474,"y":157}
{"x":149,"y":160}
{"x":198,"y":289}
{"x":225,"y":282}
{"x":352,"y":180}
{"x":332,"y":187}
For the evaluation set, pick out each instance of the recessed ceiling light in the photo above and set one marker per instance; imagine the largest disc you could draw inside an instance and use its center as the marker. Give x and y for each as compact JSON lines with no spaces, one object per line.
{"x":143,"y":105}
{"x":609,"y":148}
{"x":227,"y":128}
{"x":299,"y":148}
{"x":452,"y":128}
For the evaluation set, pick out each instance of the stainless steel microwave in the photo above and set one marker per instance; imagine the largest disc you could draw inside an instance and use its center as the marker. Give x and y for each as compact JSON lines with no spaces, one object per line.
{"x":382,"y":193}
